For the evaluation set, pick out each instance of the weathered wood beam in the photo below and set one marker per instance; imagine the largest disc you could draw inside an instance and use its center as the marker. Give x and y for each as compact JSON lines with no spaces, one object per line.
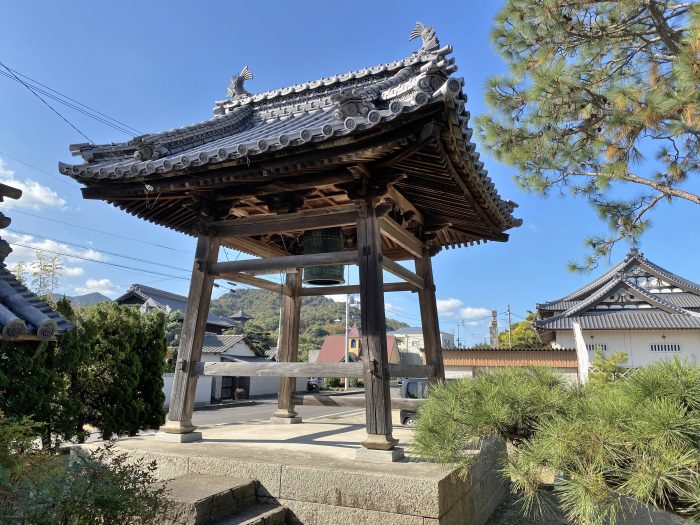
{"x":315,"y":219}
{"x":348,"y":401}
{"x":294,"y":369}
{"x":289,"y":344}
{"x":373,"y":339}
{"x":400,"y":236}
{"x":252,"y":246}
{"x":244,"y":278}
{"x":404,"y":204}
{"x":353,"y":288}
{"x":432,"y":344}
{"x":284,"y":264}
{"x":179,"y":418}
{"x":404,"y":273}
{"x":280,"y":369}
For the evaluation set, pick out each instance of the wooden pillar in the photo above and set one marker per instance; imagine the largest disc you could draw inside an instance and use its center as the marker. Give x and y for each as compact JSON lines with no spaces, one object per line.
{"x":432,"y":345}
{"x":289,"y":346}
{"x":375,"y":359}
{"x":179,"y":419}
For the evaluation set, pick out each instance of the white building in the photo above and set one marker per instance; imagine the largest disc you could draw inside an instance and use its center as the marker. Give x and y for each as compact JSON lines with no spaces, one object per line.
{"x":410,"y":341}
{"x":637,"y":307}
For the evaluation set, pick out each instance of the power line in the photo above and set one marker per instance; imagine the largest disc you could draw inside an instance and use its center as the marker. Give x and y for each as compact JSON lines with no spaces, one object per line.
{"x":149,"y":243}
{"x":66,"y":97}
{"x":116,"y":265}
{"x":64,"y":180}
{"x":46,"y":103}
{"x":87,"y":247}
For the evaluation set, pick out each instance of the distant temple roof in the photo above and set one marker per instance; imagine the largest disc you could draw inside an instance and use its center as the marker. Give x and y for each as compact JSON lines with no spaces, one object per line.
{"x":23,"y":316}
{"x":219,"y":344}
{"x":240,"y":316}
{"x":168,"y":302}
{"x":634,"y":294}
{"x":407,"y":118}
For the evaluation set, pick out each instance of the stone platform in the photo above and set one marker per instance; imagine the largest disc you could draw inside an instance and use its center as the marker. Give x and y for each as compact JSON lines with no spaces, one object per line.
{"x":311,"y":470}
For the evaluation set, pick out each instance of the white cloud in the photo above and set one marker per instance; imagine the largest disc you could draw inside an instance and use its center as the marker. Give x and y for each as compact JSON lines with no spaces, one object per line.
{"x":455,"y":308}
{"x":27,"y":251}
{"x":75,"y":271}
{"x":338,"y":298}
{"x":473,"y":313}
{"x":35,"y":195}
{"x":103,"y":286}
{"x":448,"y":307}
{"x":393,"y":307}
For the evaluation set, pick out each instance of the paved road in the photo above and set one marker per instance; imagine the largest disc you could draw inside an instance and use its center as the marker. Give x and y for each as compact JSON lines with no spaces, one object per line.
{"x":262,"y":410}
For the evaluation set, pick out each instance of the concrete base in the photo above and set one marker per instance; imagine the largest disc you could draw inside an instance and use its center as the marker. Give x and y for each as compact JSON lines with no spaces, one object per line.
{"x":190,"y":437}
{"x":311,"y":470}
{"x":365,"y":454}
{"x":285,"y":420}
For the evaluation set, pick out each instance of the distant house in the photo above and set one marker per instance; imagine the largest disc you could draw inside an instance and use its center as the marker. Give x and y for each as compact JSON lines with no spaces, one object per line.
{"x":148,"y":298}
{"x":410,"y":342}
{"x":333,"y":348}
{"x":637,"y":307}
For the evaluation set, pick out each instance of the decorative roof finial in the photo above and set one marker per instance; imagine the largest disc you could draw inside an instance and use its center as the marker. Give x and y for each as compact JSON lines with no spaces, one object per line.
{"x":427,"y":35}
{"x":235,"y":87}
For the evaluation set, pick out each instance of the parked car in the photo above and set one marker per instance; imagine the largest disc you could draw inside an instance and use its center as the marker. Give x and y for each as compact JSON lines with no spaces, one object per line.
{"x":314,"y":384}
{"x":412,"y":388}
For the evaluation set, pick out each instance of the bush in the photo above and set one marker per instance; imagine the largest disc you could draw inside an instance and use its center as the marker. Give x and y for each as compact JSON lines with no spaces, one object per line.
{"x":356,"y":383}
{"x":331,"y":382}
{"x":38,"y":488}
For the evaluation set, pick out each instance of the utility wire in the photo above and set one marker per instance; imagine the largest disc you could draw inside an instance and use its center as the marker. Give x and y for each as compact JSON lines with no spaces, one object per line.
{"x":46,"y":103}
{"x":66,"y":97}
{"x":64,"y":180}
{"x":149,"y":243}
{"x":106,"y":252}
{"x":116,"y":265}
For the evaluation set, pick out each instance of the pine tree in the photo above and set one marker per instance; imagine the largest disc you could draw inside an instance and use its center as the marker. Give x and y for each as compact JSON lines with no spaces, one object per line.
{"x":601,"y":97}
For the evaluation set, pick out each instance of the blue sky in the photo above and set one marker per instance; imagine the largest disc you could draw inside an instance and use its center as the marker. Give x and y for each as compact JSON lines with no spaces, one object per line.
{"x":158,"y":65}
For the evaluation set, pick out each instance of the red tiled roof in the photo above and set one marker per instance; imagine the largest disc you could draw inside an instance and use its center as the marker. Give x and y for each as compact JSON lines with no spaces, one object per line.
{"x":333,"y":348}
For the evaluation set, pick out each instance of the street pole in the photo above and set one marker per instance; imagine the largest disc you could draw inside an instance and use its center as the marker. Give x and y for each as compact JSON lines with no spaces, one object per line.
{"x":347,"y":317}
{"x":510,"y":333}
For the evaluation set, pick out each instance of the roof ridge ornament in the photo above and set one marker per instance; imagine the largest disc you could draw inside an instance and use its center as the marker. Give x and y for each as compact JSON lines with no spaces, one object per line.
{"x":235,"y":87}
{"x":427,"y":35}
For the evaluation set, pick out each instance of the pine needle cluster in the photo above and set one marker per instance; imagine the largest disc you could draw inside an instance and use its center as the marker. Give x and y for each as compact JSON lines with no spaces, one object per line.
{"x":601,"y":97}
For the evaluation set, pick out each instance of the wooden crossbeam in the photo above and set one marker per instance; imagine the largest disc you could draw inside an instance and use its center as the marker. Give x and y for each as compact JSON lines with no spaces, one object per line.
{"x":314,"y":219}
{"x":273,"y":369}
{"x":285,"y":264}
{"x":405,"y":274}
{"x":404,"y":204}
{"x":348,"y":401}
{"x":400,"y":236}
{"x":353,"y":288}
{"x":244,"y":278}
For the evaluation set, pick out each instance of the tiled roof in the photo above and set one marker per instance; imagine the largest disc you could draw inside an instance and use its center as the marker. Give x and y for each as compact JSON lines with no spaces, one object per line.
{"x":330,"y":109}
{"x":333,"y":349}
{"x":634,"y":294}
{"x":169,"y":302}
{"x":23,"y":316}
{"x":623,"y":320}
{"x":217,"y":344}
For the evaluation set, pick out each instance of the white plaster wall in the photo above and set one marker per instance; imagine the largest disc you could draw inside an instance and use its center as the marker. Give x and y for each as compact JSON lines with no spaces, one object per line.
{"x":263,"y":386}
{"x":202,"y":395}
{"x":458,"y":372}
{"x":635,"y":343}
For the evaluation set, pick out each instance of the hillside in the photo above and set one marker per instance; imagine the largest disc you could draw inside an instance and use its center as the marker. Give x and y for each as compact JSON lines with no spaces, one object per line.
{"x":320,"y":316}
{"x":88,"y":299}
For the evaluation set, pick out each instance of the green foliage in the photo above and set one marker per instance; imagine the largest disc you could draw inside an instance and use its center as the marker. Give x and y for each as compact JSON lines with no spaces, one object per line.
{"x":356,"y":382}
{"x":106,"y":373}
{"x":523,"y":335}
{"x":331,"y":382}
{"x":39,"y":488}
{"x":505,"y":403}
{"x":592,"y":89}
{"x":607,"y":368}
{"x":318,"y":318}
{"x":608,"y":446}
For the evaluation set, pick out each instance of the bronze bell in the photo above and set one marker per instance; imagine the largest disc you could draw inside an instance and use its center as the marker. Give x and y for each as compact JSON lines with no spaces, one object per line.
{"x":324,"y":241}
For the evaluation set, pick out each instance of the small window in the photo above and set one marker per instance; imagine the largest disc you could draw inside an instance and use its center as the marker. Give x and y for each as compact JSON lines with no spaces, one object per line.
{"x":353,"y":343}
{"x":665,"y":347}
{"x":412,"y":390}
{"x":592,"y":347}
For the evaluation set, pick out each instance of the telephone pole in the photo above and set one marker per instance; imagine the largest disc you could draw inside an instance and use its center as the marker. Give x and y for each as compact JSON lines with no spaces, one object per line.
{"x":510,"y":333}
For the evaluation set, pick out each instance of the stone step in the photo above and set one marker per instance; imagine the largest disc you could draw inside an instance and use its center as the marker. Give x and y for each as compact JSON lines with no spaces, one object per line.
{"x":259,"y":514}
{"x":203,"y":499}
